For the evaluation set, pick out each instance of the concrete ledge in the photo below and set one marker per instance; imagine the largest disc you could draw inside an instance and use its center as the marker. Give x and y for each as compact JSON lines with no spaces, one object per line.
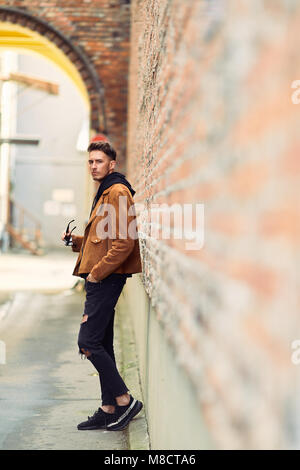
{"x":138,"y":437}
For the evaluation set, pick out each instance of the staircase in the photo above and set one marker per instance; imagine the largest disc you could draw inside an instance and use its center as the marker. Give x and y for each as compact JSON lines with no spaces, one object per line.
{"x":30,"y":238}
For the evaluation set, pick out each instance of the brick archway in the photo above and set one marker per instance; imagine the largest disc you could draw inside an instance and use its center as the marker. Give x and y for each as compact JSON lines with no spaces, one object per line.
{"x":86,"y":70}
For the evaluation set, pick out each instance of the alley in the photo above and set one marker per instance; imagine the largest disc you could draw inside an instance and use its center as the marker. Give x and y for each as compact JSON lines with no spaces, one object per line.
{"x":46,"y":388}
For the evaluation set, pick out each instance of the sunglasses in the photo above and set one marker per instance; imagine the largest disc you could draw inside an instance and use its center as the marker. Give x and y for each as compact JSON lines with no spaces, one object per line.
{"x":68,"y":237}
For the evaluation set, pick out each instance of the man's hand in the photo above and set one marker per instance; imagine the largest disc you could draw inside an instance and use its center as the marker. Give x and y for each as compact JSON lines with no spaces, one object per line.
{"x":63,"y":235}
{"x":66,"y":241}
{"x":90,"y":278}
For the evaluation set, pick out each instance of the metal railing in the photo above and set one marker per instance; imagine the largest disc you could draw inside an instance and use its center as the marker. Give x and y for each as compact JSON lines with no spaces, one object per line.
{"x":23,"y":227}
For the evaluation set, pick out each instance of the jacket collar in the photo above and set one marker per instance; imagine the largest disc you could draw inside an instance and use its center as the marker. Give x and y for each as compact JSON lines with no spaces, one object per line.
{"x":106,"y":191}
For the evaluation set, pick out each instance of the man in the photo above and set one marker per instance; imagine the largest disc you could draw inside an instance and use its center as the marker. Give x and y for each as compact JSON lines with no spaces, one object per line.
{"x":106,"y":258}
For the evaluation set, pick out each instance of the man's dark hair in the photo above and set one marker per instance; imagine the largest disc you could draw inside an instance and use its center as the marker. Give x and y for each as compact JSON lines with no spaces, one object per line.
{"x":105,"y":147}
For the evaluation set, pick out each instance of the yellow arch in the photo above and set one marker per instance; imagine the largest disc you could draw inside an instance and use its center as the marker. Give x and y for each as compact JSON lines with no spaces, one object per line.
{"x":14,"y":36}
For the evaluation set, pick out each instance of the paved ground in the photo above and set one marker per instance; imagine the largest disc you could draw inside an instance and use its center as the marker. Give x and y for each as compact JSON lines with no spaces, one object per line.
{"x":46,"y":388}
{"x":22,"y":271}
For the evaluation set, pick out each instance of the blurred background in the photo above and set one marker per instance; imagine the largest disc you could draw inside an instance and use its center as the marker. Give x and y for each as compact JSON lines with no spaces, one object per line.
{"x":201,"y":100}
{"x":41,"y":165}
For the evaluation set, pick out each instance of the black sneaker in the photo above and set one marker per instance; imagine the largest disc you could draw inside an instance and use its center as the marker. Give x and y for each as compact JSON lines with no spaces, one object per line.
{"x":124,"y":414}
{"x":99,"y":420}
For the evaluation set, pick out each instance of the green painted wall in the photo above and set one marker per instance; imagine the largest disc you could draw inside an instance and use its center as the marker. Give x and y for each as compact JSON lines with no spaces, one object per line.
{"x":173,"y":413}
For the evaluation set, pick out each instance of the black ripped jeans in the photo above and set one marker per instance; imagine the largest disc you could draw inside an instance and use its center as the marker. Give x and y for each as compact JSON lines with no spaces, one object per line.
{"x":97,"y":333}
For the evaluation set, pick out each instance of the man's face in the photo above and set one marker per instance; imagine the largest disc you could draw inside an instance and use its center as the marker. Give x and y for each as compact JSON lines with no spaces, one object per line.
{"x":100,"y":165}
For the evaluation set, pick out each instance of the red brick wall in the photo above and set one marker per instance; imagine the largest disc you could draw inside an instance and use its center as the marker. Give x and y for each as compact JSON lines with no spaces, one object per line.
{"x":100,"y":29}
{"x":211,"y":121}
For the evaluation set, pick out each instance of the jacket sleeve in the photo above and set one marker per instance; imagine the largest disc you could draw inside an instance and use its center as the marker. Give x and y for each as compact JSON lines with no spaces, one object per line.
{"x":77,"y":242}
{"x":121,"y":246}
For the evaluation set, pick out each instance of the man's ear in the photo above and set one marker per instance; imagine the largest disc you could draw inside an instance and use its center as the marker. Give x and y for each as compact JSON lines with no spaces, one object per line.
{"x":113,"y":164}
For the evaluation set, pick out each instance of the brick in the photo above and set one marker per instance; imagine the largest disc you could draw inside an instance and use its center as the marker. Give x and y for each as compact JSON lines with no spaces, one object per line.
{"x":211,"y":121}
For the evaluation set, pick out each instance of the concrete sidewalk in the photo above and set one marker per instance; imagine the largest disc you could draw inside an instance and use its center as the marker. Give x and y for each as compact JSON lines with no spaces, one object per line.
{"x":46,"y":389}
{"x":50,"y":272}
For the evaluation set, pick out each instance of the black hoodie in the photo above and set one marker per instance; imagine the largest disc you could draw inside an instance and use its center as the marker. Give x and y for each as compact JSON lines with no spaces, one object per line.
{"x":113,"y":178}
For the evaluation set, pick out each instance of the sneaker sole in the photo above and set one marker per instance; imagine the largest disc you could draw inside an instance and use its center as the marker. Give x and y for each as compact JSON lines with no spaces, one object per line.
{"x":91,"y":428}
{"x":136,"y":408}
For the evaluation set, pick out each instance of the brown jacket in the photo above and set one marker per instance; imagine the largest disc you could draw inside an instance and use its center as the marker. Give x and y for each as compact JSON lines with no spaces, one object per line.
{"x":102,"y":256}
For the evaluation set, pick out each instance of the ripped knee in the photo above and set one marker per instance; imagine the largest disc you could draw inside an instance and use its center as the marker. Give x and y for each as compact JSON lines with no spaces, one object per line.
{"x":85,"y":352}
{"x":84,"y":318}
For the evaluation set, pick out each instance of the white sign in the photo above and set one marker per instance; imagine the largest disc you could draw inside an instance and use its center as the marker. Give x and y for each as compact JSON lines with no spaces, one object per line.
{"x":63,"y":195}
{"x":69,"y":210}
{"x":51,"y":208}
